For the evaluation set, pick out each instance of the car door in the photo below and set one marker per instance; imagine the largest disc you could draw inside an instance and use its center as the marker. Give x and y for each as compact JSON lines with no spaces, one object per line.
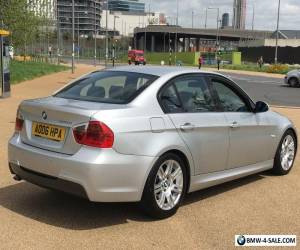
{"x":190,"y":105}
{"x":249,"y":133}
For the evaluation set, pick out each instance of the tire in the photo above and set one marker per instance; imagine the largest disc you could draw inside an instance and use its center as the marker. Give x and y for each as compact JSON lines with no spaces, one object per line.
{"x":287,"y":146}
{"x":144,"y":63}
{"x":129,"y":62}
{"x":293,"y":82}
{"x":136,"y":63}
{"x":169,"y":201}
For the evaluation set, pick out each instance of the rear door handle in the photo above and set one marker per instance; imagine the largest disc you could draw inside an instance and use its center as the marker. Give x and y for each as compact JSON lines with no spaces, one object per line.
{"x":234,"y":125}
{"x":187,"y":126}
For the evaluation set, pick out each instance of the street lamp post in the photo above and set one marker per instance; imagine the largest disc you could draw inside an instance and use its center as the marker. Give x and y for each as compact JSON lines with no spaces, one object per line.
{"x":218,"y":17}
{"x":205,"y":18}
{"x":73,"y":36}
{"x":277,"y":33}
{"x":114,"y":45}
{"x":78,"y":37}
{"x":192,"y":19}
{"x":58,"y":35}
{"x":145,"y":42}
{"x":106,"y":34}
{"x":95,"y":34}
{"x":176,"y":45}
{"x":253,"y":17}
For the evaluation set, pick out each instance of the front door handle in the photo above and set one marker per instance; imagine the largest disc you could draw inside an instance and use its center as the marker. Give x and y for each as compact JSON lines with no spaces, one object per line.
{"x":187,"y":126}
{"x":234,"y":125}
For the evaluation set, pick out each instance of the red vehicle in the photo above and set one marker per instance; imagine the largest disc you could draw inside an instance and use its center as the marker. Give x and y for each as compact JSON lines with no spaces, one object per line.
{"x":136,"y":57}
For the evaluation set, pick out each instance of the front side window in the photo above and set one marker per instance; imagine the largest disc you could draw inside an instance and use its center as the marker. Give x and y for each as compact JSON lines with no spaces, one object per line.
{"x":229,"y":100}
{"x":115,"y":87}
{"x":187,"y":94}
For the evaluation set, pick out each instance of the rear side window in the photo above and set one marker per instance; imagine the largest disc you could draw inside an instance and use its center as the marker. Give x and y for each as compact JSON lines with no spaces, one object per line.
{"x":108,"y":87}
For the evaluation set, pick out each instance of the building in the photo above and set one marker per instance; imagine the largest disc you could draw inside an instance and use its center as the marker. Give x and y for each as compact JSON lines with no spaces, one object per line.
{"x":163,"y":38}
{"x":125,"y":22}
{"x":287,"y":34}
{"x":87,"y":16}
{"x":133,"y":6}
{"x":43,"y":8}
{"x":225,"y":20}
{"x":239,"y":14}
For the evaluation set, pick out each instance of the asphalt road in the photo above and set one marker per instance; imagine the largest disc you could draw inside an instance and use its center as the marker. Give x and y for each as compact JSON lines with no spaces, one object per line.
{"x":267,"y":89}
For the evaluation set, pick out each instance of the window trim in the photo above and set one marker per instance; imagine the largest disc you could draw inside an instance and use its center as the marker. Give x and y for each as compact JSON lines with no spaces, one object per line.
{"x":236,"y":89}
{"x":172,"y":82}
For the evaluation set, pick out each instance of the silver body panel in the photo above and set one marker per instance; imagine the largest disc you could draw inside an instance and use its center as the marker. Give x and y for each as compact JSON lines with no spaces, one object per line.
{"x":216,"y":151}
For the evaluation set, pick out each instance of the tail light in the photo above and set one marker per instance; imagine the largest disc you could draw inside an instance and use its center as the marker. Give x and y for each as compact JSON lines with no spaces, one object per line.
{"x":95,"y":134}
{"x":19,"y":122}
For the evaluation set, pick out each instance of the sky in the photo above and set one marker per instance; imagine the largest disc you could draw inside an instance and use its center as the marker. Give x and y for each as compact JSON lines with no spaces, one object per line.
{"x":265,"y":12}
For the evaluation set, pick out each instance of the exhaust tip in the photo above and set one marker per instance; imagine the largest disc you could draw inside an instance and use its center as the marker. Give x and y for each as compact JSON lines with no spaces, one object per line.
{"x":17,"y":178}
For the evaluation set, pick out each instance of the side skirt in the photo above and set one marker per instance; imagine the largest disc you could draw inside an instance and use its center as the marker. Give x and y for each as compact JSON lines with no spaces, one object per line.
{"x":203,"y":181}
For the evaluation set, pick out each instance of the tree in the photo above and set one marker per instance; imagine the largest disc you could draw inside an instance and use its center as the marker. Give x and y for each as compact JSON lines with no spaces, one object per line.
{"x":20,"y":21}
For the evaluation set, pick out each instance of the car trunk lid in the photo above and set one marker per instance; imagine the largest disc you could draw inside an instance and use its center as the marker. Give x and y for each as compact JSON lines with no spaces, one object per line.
{"x":56,"y":115}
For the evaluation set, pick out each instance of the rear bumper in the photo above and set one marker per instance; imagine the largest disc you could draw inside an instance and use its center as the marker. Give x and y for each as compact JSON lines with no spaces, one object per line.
{"x":47,"y":181}
{"x":101,"y":175}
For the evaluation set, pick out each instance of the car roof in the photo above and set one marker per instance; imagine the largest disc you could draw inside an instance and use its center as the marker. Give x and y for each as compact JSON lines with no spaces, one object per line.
{"x":158,"y":70}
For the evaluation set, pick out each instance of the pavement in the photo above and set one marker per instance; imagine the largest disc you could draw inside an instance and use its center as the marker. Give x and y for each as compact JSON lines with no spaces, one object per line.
{"x":246,"y":73}
{"x":35,"y":218}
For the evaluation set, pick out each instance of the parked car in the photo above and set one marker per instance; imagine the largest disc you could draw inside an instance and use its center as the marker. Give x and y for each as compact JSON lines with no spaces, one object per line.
{"x":137,"y":57}
{"x":293,"y":78}
{"x":148,"y":135}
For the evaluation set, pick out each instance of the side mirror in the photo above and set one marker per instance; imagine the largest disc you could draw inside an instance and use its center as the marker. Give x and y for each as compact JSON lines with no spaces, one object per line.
{"x":261,"y":107}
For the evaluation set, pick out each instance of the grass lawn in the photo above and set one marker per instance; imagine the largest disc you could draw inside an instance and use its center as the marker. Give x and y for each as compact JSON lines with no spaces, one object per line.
{"x":22,"y":71}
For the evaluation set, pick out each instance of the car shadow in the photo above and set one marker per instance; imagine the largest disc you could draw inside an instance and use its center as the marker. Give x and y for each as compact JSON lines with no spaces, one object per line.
{"x":70,"y":212}
{"x":222,"y":188}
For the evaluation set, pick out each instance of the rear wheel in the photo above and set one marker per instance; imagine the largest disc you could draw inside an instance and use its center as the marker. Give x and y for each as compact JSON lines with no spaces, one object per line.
{"x":286,"y":152}
{"x":293,"y":82}
{"x":165,"y":187}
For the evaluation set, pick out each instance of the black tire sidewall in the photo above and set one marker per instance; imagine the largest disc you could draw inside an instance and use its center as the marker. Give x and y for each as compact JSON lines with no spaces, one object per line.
{"x":294,"y":82}
{"x":148,"y":202}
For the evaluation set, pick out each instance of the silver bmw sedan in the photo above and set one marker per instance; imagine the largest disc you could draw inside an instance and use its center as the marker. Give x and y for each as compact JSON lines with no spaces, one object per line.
{"x":148,"y":135}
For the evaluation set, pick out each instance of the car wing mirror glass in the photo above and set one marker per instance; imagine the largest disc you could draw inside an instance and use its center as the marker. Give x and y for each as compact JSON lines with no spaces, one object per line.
{"x":261,"y":107}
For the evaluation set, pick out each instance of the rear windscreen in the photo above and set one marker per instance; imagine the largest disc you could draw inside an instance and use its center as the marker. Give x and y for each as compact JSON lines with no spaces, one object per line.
{"x":108,"y":87}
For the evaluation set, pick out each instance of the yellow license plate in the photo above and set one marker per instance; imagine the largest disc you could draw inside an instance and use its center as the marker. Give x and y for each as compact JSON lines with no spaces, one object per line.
{"x":51,"y":132}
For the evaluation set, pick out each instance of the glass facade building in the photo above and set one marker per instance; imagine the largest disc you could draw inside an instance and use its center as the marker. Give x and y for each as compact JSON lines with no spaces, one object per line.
{"x":126,"y":6}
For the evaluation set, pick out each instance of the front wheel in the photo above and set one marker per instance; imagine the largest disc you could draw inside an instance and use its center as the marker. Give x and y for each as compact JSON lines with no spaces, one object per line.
{"x":286,"y":153}
{"x":165,"y":187}
{"x":293,"y":82}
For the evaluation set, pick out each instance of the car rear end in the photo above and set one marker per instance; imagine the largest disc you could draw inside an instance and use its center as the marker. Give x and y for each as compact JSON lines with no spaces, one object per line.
{"x":140,"y":57}
{"x":58,"y":143}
